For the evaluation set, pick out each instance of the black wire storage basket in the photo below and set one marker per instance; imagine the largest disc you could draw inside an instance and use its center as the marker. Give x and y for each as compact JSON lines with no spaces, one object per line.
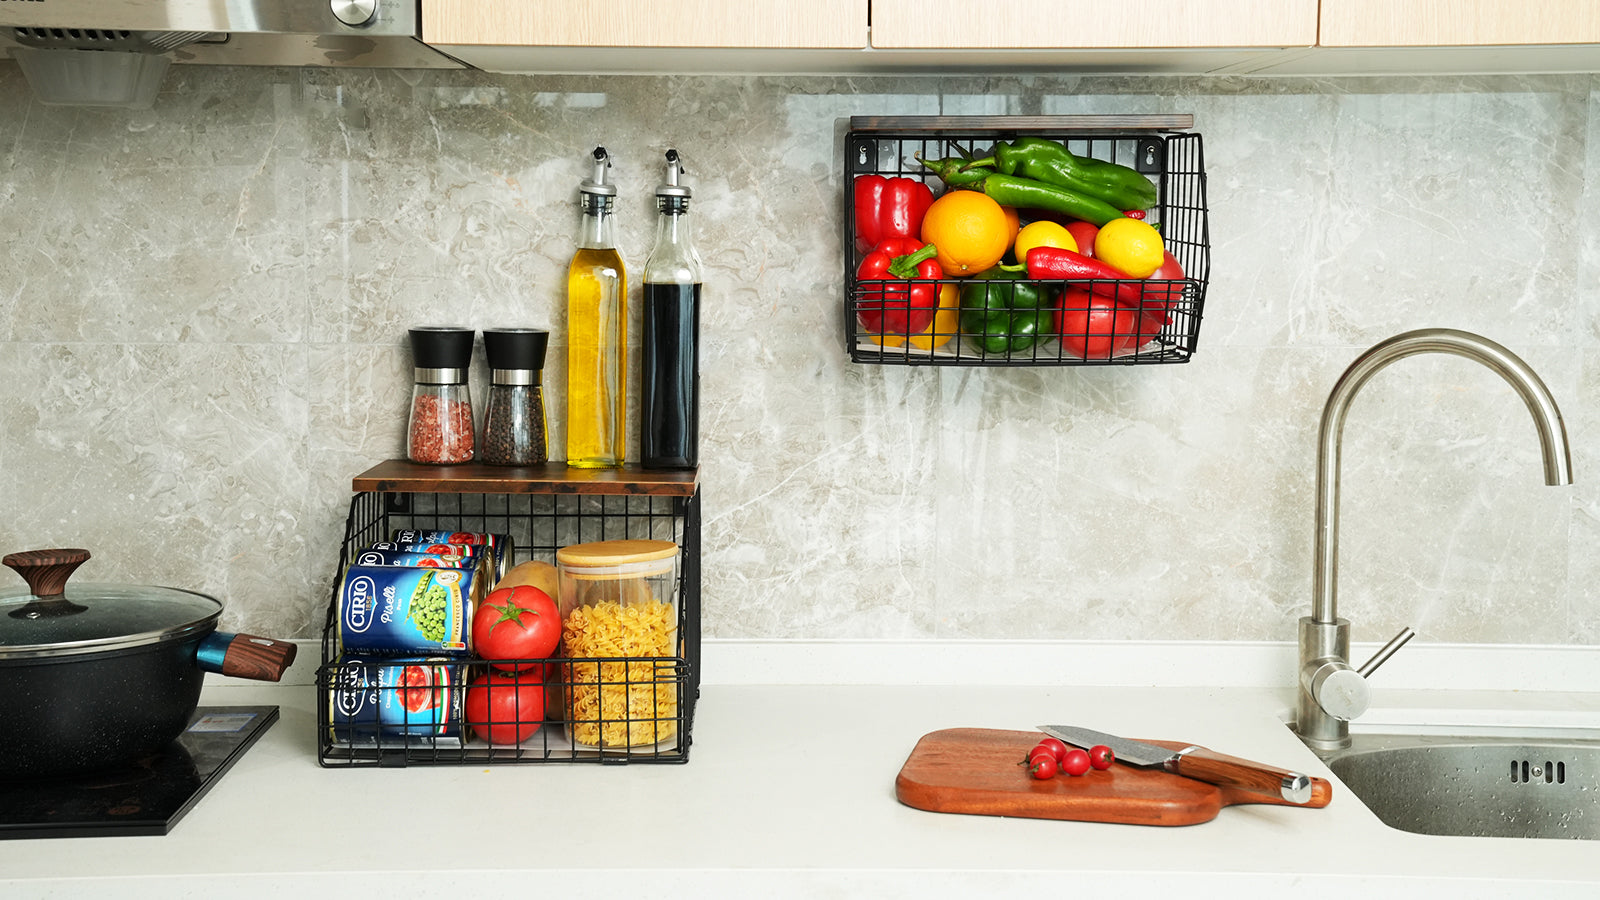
{"x":1158,"y":146}
{"x":622,"y":709}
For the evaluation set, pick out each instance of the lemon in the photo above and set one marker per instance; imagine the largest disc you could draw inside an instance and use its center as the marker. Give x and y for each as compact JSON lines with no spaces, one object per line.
{"x":1043,"y":234}
{"x":1130,"y":246}
{"x":970,"y":231}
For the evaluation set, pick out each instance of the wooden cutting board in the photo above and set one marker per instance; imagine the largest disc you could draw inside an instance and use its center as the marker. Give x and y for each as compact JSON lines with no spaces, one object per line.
{"x":976,"y":771}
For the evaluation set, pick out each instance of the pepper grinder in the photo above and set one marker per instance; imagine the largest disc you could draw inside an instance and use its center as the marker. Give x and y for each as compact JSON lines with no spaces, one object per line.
{"x":514,"y":427}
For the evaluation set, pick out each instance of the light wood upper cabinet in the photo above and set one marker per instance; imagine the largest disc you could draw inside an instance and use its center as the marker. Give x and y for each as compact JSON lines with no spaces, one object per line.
{"x":1458,"y":23}
{"x":1092,"y":24}
{"x":1280,"y":37}
{"x":777,"y":24}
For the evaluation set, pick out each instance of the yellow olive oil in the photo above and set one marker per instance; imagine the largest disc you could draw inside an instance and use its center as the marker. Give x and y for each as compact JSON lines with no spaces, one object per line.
{"x":597,"y":330}
{"x":597,"y":338}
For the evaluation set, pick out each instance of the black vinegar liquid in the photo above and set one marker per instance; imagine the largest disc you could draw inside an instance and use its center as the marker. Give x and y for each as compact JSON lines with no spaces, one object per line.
{"x":669,"y":406}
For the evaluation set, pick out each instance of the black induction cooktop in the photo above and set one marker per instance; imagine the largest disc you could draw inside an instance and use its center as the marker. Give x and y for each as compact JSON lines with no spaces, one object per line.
{"x":146,"y":797}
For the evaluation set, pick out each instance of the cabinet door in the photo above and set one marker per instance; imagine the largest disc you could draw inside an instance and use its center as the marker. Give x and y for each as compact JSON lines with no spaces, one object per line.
{"x":1458,"y":23}
{"x":1092,"y":24}
{"x":782,"y":24}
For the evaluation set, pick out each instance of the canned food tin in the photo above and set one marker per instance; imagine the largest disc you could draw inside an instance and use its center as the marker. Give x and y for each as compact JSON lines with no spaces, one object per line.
{"x":407,"y":536}
{"x":419,"y":697}
{"x":402,"y":558}
{"x":495,"y":565}
{"x":500,"y":544}
{"x":433,"y":549}
{"x":400,"y":611}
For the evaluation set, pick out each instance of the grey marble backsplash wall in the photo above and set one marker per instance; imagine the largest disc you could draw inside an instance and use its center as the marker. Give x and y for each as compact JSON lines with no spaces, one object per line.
{"x":203,"y":309}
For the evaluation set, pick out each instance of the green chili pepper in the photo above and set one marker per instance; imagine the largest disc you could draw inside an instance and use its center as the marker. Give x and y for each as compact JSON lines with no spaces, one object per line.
{"x":1027,"y":193}
{"x":1050,"y":162}
{"x":956,"y":173}
{"x":1002,"y":312}
{"x":1022,"y":193}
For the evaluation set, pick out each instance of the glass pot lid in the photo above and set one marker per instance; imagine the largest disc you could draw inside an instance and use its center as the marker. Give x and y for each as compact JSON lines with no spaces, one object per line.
{"x":51,"y":618}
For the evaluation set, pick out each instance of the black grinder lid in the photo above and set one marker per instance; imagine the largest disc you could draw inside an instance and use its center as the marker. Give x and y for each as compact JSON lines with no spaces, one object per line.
{"x":515,"y":348}
{"x":441,"y":347}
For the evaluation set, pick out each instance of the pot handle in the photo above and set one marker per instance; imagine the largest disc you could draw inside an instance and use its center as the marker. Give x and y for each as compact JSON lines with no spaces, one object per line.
{"x":245,"y":655}
{"x":46,"y":571}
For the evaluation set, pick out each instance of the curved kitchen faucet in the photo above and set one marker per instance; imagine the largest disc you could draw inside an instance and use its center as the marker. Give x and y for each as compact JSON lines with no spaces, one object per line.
{"x":1331,"y":692}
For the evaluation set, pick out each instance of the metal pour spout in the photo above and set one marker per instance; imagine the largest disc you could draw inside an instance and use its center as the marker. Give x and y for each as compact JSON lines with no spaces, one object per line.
{"x":1331,"y":692}
{"x":1546,"y":419}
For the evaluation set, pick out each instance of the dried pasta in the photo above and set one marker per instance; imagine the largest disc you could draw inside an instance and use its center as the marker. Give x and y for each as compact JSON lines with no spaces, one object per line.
{"x":621,"y":704}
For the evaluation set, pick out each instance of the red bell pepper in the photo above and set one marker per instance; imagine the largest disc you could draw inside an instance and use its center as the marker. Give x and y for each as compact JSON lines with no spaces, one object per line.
{"x":889,"y":306}
{"x":888,"y":208}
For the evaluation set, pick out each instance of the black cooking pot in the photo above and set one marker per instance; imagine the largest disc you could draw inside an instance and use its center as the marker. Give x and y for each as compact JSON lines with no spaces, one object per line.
{"x":100,"y":675}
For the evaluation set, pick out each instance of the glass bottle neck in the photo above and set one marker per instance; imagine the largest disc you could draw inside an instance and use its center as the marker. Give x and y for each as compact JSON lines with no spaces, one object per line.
{"x":673,"y":259}
{"x":672,"y":227}
{"x":595,"y":230}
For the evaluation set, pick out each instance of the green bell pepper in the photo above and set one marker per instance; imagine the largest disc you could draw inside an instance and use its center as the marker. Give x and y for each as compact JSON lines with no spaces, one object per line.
{"x":1002,"y":312}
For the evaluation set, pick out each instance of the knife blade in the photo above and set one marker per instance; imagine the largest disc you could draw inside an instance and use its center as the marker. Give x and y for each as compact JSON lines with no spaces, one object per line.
{"x":1194,"y":762}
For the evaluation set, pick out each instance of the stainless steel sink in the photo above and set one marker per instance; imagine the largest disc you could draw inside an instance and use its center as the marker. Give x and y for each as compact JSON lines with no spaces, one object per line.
{"x":1476,"y":786}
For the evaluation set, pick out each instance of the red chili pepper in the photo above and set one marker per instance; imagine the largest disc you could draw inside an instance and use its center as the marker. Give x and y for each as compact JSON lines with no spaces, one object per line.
{"x":888,"y":208}
{"x":1134,"y":214}
{"x":888,"y":305}
{"x":1055,"y":263}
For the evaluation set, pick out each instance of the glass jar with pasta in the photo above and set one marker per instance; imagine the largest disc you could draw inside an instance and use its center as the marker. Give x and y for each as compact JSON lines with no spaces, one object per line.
{"x":619,"y":628}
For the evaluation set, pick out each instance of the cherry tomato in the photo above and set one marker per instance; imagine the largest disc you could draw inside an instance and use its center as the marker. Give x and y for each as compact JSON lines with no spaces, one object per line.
{"x":505,"y":708}
{"x":519,"y":622}
{"x":1101,"y":757}
{"x":1076,"y":762}
{"x":1042,"y":766}
{"x":1055,"y":747}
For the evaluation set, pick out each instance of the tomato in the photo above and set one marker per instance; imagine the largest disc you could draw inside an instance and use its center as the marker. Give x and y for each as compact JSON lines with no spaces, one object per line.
{"x":1169,"y":268}
{"x":1076,"y":762}
{"x":1084,"y":233}
{"x":1042,"y":766}
{"x":1053,"y":746}
{"x":1160,"y":298}
{"x":505,"y":708}
{"x":417,"y":693}
{"x":519,"y":622}
{"x":1101,"y":757}
{"x":1094,"y":327}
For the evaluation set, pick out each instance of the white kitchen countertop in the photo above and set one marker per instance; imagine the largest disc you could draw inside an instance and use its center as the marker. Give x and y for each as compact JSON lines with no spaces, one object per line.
{"x":789,"y":792}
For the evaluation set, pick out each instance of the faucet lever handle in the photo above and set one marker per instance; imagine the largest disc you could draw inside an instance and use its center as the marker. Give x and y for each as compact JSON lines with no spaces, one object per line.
{"x":1386,"y":651}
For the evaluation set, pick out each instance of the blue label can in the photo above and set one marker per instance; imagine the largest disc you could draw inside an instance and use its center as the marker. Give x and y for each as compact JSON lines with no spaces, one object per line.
{"x":372,"y":698}
{"x":405,"y":611}
{"x":498,"y":545}
{"x":494,"y":561}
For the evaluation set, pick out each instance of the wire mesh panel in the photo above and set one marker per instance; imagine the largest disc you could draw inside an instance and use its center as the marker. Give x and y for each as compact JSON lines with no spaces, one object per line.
{"x":1082,"y":321}
{"x":411,"y":710}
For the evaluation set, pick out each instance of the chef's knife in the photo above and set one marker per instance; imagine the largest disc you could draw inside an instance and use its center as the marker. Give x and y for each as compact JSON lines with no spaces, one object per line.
{"x":1194,"y":762}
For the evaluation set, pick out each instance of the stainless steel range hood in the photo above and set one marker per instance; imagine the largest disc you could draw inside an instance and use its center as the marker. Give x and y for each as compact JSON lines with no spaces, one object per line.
{"x":115,"y":52}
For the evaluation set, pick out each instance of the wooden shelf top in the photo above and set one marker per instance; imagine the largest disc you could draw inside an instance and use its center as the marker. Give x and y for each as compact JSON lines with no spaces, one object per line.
{"x":404,"y":476}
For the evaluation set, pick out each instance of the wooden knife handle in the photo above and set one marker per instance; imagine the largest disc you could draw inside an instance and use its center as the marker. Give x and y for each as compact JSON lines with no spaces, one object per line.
{"x":1279,"y":785}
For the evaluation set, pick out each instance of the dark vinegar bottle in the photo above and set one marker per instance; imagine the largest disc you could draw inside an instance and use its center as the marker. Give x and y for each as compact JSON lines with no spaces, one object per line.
{"x":669,"y":381}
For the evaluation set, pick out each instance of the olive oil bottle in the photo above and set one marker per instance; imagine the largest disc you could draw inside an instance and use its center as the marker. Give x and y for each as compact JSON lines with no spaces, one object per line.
{"x":597,"y":330}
